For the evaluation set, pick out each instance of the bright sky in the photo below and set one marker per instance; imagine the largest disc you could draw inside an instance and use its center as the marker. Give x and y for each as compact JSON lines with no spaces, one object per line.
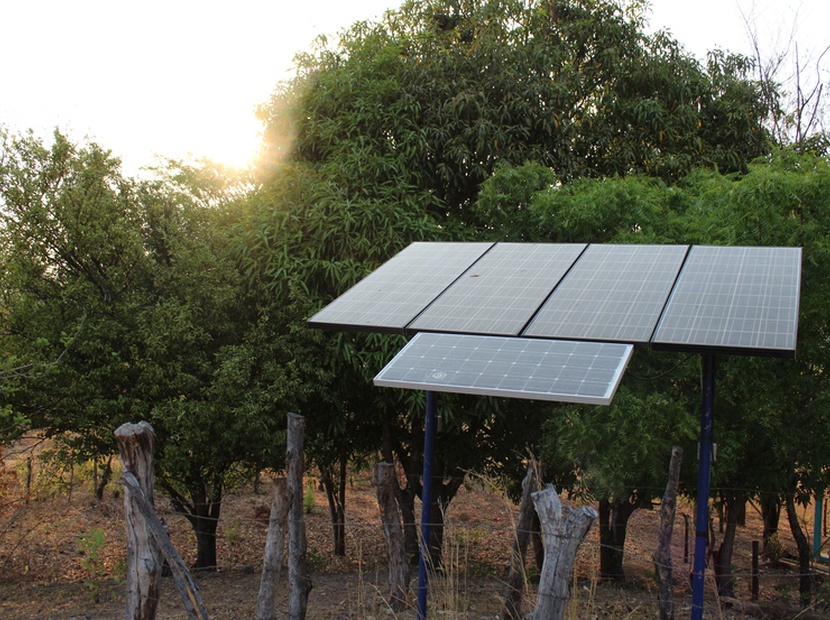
{"x":183,"y":77}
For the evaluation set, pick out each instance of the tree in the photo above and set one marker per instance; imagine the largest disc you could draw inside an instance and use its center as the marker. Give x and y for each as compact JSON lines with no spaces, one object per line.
{"x":791,"y":79}
{"x":132,"y":287}
{"x":780,"y":201}
{"x":438,"y":93}
{"x":386,"y":138}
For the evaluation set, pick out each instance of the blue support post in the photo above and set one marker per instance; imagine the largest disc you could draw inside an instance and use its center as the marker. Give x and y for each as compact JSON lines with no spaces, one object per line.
{"x":426,"y":504}
{"x":707,"y":409}
{"x":817,"y":515}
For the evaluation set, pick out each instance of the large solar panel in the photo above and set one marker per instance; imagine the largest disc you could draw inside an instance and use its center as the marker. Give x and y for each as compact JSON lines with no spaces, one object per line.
{"x":734,"y":299}
{"x":614,"y":293}
{"x":554,"y":370}
{"x":395,"y":293}
{"x":501,"y":292}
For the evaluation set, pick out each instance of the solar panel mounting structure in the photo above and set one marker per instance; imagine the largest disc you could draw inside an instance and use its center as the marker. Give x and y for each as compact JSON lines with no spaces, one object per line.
{"x":706,"y":299}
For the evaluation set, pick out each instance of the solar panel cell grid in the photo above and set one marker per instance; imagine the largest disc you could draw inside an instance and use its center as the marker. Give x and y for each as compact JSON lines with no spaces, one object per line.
{"x":513,"y":367}
{"x":392,"y":295}
{"x":499,"y":294}
{"x":735,"y":299}
{"x":613,"y":293}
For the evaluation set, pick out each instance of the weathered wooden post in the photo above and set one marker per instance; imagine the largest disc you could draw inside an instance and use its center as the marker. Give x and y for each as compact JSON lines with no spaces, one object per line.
{"x":390,"y":517}
{"x":299,"y":583}
{"x":136,"y":444}
{"x":662,"y":557}
{"x":266,"y":606}
{"x":563,"y":530}
{"x":516,"y":574}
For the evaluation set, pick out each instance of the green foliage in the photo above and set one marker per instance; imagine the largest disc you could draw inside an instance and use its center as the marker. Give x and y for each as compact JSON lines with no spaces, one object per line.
{"x":308,"y":497}
{"x":126,"y":302}
{"x":771,"y":415}
{"x":91,"y":547}
{"x":422,"y":106}
{"x":393,"y":135}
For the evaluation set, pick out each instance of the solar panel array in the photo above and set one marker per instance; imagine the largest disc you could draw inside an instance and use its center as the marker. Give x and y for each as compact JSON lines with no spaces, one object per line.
{"x":493,"y":306}
{"x":559,"y":370}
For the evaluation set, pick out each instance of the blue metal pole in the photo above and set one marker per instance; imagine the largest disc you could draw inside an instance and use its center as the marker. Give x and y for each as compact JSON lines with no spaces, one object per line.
{"x":426,"y":504}
{"x":817,"y":515}
{"x":707,"y":409}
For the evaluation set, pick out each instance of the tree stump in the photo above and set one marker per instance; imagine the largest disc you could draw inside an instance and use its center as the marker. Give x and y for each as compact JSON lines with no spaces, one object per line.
{"x":136,"y":444}
{"x":385,"y":483}
{"x":662,"y":557}
{"x":299,"y":583}
{"x":188,"y":591}
{"x":518,"y":557}
{"x":266,"y":607}
{"x":563,"y":530}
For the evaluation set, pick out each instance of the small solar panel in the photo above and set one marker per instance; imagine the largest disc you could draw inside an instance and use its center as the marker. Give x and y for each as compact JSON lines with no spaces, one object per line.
{"x":734,"y":299}
{"x":614,"y":293}
{"x":501,"y":292}
{"x":395,"y":293}
{"x":554,"y":370}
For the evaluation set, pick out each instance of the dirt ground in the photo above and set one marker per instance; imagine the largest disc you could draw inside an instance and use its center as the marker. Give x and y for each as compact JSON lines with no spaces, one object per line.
{"x":62,"y":557}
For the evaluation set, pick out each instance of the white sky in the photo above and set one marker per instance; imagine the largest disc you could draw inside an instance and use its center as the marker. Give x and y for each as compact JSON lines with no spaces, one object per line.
{"x":183,"y":77}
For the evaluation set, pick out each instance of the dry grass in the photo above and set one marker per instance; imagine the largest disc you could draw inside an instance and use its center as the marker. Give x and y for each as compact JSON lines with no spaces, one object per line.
{"x":62,"y":556}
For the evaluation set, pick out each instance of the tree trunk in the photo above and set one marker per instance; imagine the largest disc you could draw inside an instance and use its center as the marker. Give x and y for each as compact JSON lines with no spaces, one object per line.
{"x":385,"y":484}
{"x":266,"y":606}
{"x":136,"y":444}
{"x":336,"y":496}
{"x":518,"y":557}
{"x":805,"y":552}
{"x":443,"y":493}
{"x":299,"y":583}
{"x":734,"y":504}
{"x":406,"y":502}
{"x":662,"y":557}
{"x":613,"y":524}
{"x":202,"y":511}
{"x":205,"y":529}
{"x":563,"y":530}
{"x":106,"y":476}
{"x":771,"y":515}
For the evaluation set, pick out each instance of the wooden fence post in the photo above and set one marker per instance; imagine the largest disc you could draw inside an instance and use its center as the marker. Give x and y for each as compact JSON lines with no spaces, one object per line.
{"x":136,"y":444}
{"x":299,"y":583}
{"x":390,"y":517}
{"x":188,"y":591}
{"x":266,"y":606}
{"x":563,"y":530}
{"x":518,"y":557}
{"x":662,"y":557}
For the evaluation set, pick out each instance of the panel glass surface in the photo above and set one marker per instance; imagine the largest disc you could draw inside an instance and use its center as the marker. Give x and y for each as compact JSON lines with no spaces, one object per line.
{"x":734,"y":299}
{"x":501,"y":292}
{"x":614,"y":293}
{"x":395,"y":293}
{"x":555,"y":370}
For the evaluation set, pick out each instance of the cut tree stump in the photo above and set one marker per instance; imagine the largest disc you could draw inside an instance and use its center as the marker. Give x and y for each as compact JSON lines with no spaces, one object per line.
{"x":385,"y":483}
{"x":148,"y":533}
{"x":563,"y":530}
{"x":136,"y":445}
{"x":266,"y":606}
{"x":188,"y":591}
{"x":662,"y":557}
{"x":516,"y":575}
